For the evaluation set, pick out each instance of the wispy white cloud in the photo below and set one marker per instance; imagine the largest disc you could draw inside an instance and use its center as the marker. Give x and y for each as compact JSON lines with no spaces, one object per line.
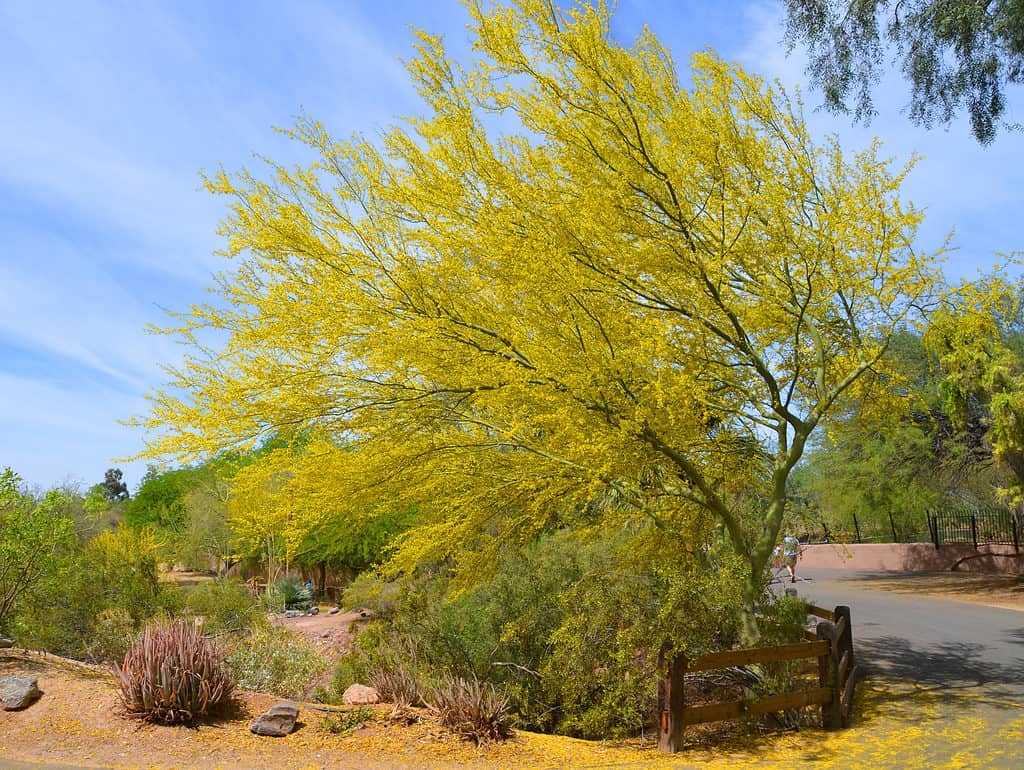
{"x":958,"y":183}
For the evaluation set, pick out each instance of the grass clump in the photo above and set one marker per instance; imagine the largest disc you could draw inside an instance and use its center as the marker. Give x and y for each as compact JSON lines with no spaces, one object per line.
{"x":472,"y":709}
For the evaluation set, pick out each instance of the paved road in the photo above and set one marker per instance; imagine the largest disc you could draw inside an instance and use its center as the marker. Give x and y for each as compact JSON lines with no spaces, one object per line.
{"x":939,"y":643}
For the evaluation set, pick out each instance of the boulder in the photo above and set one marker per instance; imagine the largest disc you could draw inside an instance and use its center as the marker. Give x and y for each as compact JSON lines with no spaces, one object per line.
{"x":360,"y":695}
{"x":5,"y":642}
{"x":293,"y":613}
{"x":17,"y":692}
{"x":333,"y":610}
{"x":278,"y":722}
{"x":314,"y":610}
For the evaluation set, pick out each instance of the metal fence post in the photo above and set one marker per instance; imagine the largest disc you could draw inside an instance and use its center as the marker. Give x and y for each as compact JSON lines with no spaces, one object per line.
{"x":974,"y":530}
{"x":892,"y":524}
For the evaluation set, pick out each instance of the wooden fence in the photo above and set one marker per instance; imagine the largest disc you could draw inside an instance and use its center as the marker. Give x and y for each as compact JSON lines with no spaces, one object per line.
{"x":831,"y":643}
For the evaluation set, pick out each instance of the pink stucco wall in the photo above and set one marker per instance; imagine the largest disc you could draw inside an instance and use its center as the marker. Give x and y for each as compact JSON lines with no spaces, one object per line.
{"x":912,"y":557}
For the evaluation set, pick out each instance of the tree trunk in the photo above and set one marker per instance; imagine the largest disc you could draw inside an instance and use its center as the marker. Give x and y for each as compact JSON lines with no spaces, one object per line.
{"x":750,"y":632}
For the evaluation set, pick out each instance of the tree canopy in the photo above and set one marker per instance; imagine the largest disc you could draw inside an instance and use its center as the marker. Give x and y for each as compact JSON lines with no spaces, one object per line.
{"x":571,"y":279}
{"x":956,"y":54}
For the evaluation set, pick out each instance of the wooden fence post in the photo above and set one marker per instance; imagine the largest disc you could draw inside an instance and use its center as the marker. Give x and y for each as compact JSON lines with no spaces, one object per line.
{"x":671,"y":700}
{"x":828,"y":670}
{"x":844,"y":641}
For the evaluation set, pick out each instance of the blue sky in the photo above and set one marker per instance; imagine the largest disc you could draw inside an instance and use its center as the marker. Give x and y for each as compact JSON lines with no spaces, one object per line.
{"x":111,"y":109}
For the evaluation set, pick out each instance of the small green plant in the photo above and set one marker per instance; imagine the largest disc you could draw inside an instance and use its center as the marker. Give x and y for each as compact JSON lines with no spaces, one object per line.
{"x":345,"y":722}
{"x":276,"y":661}
{"x":472,"y":709}
{"x":348,"y":670}
{"x":111,"y":636}
{"x":288,"y":593}
{"x":173,"y":675}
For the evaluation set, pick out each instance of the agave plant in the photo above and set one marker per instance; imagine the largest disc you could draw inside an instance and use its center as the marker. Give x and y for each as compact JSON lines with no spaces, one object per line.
{"x":173,"y":675}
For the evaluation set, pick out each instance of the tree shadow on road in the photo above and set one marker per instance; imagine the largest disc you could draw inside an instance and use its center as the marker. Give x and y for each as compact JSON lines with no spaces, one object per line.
{"x":953,"y":671}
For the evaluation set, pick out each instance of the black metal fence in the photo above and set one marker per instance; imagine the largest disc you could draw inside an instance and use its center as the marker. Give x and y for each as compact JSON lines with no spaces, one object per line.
{"x":971,"y":526}
{"x":992,"y":526}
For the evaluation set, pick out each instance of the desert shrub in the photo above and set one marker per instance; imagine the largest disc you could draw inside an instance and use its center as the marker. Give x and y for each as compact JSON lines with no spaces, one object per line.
{"x":348,"y":670}
{"x":472,"y":709}
{"x":112,"y":633}
{"x":568,"y":629}
{"x":276,"y":661}
{"x":369,"y":590}
{"x":113,"y":571}
{"x":173,"y":674}
{"x":225,"y":605}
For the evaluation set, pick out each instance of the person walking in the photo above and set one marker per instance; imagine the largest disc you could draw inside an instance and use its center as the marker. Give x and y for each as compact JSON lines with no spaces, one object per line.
{"x":790,"y":554}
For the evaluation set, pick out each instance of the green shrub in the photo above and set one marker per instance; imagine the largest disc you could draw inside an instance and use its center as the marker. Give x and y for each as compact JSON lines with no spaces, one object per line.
{"x":276,"y":661}
{"x":112,"y":633}
{"x":173,"y":675}
{"x":113,"y":571}
{"x":348,"y":670}
{"x":225,"y":605}
{"x":471,"y":709}
{"x":568,"y":629}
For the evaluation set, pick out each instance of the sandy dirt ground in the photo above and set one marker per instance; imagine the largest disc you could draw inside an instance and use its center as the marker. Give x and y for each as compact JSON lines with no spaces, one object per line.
{"x":1005,"y":591}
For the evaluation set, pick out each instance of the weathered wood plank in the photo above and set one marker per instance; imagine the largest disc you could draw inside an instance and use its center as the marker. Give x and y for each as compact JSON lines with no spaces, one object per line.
{"x":821,"y":612}
{"x":844,"y":664}
{"x":848,"y":693}
{"x":841,"y":628}
{"x":845,"y":640}
{"x":758,"y":655}
{"x":717,"y":712}
{"x":831,"y":712}
{"x":671,"y":700}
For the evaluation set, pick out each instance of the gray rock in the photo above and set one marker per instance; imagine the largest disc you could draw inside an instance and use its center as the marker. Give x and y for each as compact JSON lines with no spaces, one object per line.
{"x":293,"y":613}
{"x":278,"y":722}
{"x":5,"y":642}
{"x":17,"y":692}
{"x":314,"y":610}
{"x":333,"y":610}
{"x":360,"y":695}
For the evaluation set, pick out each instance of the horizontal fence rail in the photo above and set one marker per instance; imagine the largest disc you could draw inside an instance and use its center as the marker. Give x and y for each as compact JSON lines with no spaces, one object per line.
{"x":831,"y":645}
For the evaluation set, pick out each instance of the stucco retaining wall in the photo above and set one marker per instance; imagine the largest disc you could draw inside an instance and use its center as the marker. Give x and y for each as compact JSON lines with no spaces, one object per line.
{"x":912,"y":557}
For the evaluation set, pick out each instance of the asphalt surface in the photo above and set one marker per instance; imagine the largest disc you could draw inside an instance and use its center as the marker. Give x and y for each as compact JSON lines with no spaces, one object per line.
{"x":938,"y":643}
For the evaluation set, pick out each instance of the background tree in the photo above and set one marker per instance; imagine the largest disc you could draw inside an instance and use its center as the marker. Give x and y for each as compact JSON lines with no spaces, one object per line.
{"x":979,"y":339}
{"x":908,"y":458}
{"x":956,"y":54}
{"x":635,"y":290}
{"x":113,"y":485}
{"x":32,"y":536}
